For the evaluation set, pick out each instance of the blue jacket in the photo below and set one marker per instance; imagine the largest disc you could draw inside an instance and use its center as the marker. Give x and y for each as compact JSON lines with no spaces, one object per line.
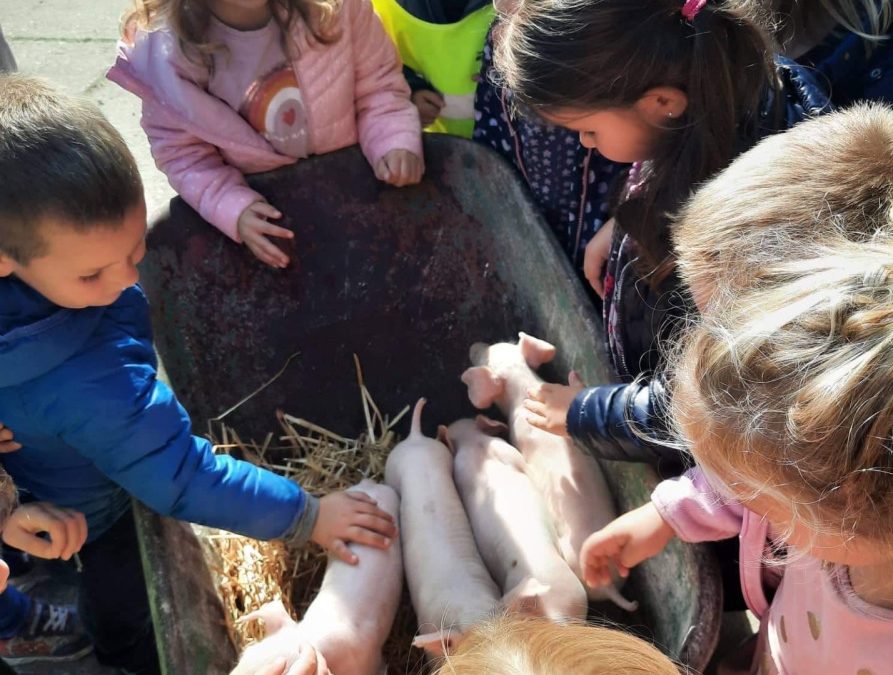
{"x":79,"y":390}
{"x":571,"y":185}
{"x":853,"y":73}
{"x":628,"y":421}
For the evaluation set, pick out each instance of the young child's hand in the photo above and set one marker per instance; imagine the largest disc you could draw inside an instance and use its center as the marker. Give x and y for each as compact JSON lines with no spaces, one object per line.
{"x":429,"y":103}
{"x":67,"y":530}
{"x":254,"y":227}
{"x":547,"y":404}
{"x":351,"y":516}
{"x":623,"y":544}
{"x":399,"y":168}
{"x":596,"y":255}
{"x":7,"y":444}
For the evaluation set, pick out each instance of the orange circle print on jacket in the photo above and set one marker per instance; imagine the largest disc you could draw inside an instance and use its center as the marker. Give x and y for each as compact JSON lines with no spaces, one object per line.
{"x":275,"y":108}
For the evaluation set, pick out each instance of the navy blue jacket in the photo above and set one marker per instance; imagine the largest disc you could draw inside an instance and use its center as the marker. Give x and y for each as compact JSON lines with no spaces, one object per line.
{"x":79,"y":390}
{"x":628,"y":421}
{"x":853,"y":73}
{"x":571,"y":185}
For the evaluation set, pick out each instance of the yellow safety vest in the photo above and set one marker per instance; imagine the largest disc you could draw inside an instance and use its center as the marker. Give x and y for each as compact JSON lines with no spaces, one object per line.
{"x":447,"y":55}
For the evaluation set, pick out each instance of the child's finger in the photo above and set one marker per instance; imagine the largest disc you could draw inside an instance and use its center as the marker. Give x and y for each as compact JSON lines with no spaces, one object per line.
{"x":358,"y":496}
{"x":9,"y":446}
{"x":361,"y":535}
{"x":535,"y":393}
{"x":538,"y":422}
{"x":375,"y":524}
{"x":340,"y":550}
{"x":266,"y":210}
{"x":536,"y":407}
{"x":267,"y":251}
{"x":276,"y":231}
{"x":574,"y":380}
{"x":76,"y":533}
{"x":381,"y":170}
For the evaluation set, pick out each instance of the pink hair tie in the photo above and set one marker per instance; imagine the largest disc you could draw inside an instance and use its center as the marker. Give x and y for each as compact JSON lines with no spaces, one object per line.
{"x":691,"y":8}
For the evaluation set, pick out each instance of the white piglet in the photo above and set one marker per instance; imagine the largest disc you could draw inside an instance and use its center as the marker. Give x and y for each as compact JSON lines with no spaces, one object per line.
{"x":351,"y":616}
{"x":570,"y":481}
{"x":448,"y":582}
{"x":511,"y":525}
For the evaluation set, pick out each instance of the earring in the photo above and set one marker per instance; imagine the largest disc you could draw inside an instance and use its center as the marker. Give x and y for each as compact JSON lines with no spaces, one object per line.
{"x":669,"y":114}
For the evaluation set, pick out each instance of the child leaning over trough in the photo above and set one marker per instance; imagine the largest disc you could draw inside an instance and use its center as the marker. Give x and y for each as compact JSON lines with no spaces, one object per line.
{"x":78,"y":373}
{"x":230,"y":88}
{"x":679,"y":89}
{"x":784,"y":393}
{"x":785,"y":398}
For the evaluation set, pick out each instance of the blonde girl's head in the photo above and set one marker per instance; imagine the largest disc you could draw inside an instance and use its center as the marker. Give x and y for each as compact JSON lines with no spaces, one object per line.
{"x":871,"y":19}
{"x":785,"y":394}
{"x":535,"y":646}
{"x":189,"y":20}
{"x":827,"y":178}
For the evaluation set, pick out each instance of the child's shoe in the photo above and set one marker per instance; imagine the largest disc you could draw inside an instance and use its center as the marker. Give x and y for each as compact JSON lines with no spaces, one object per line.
{"x":51,"y":633}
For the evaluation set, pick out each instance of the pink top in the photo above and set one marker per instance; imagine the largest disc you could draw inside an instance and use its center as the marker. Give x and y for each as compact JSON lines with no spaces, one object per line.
{"x":815,"y":624}
{"x":351,"y":90}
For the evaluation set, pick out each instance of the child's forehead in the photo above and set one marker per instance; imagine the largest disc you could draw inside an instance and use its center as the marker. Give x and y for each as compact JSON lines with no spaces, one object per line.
{"x":67,"y":240}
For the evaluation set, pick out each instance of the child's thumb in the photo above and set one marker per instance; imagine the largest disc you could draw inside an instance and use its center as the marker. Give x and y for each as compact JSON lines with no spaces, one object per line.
{"x":574,"y":380}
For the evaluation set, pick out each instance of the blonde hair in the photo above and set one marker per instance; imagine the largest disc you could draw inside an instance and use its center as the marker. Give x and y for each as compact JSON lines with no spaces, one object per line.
{"x":787,"y":390}
{"x":869,"y":19}
{"x":535,"y":646}
{"x":828,"y":178}
{"x":189,"y":20}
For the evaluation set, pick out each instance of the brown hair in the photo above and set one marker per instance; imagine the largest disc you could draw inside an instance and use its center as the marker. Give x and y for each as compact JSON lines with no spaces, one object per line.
{"x":535,"y":646}
{"x":59,"y":158}
{"x":189,"y":20}
{"x":787,"y":390}
{"x":586,"y":55}
{"x":828,"y":177}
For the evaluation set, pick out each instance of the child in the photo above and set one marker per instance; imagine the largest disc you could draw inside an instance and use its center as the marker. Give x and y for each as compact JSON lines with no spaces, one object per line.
{"x":829,"y":177}
{"x":440,"y":44}
{"x":230,"y":88}
{"x":78,"y":380}
{"x":679,"y":89}
{"x":785,"y":397}
{"x":535,"y":646}
{"x":570,"y":184}
{"x":847,"y":42}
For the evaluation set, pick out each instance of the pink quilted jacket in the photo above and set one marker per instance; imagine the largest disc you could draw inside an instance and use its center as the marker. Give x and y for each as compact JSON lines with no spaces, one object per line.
{"x":353,"y":89}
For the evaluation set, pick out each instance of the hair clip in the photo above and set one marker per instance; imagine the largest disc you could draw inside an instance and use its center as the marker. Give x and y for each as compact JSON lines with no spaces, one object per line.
{"x":691,"y":8}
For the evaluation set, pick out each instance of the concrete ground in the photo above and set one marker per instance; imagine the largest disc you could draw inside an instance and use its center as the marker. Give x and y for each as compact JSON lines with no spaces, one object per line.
{"x":72,"y":43}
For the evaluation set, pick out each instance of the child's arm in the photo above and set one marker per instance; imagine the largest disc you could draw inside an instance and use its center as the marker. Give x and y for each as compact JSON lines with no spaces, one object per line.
{"x":197,"y":171}
{"x":387,"y":121}
{"x":133,"y":430}
{"x":686,"y":507}
{"x":624,"y":422}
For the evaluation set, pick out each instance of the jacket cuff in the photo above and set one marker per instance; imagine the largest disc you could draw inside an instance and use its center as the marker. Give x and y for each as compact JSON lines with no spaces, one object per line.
{"x":300,"y":531}
{"x":225,"y":216}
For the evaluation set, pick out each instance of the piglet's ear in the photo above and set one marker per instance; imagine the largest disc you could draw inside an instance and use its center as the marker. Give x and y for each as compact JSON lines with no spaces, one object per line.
{"x":490,"y":426}
{"x":440,"y":643}
{"x":536,"y":352}
{"x":443,"y":435}
{"x":525,"y":597}
{"x":273,"y":615}
{"x":484,"y":386}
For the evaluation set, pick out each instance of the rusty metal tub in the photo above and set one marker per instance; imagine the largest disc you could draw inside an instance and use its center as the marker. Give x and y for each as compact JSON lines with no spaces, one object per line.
{"x":406,"y":279}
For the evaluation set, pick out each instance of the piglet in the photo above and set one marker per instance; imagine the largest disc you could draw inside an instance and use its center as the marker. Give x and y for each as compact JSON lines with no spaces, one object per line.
{"x":570,"y":481}
{"x":351,"y":616}
{"x":511,"y":526}
{"x":448,"y":583}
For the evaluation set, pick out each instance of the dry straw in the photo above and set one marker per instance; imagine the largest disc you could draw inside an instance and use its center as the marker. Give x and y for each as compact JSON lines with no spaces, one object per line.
{"x":249,"y":573}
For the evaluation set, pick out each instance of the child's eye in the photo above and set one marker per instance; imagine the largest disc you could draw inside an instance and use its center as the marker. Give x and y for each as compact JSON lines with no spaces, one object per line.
{"x":91,"y":277}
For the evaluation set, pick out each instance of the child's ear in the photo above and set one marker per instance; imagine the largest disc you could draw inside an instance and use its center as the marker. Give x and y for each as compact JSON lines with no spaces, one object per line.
{"x":659,"y":105}
{"x":7,"y":265}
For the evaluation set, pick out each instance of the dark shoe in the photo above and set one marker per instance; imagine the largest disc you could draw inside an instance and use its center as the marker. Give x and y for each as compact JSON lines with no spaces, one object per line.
{"x":51,"y":633}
